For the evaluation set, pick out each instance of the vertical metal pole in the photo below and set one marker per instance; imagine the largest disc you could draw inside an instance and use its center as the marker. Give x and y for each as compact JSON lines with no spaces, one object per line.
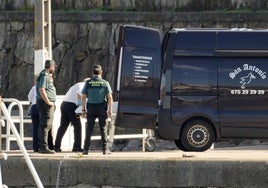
{"x":1,"y":182}
{"x":42,"y":38}
{"x":47,"y":28}
{"x":1,"y":121}
{"x":4,"y":155}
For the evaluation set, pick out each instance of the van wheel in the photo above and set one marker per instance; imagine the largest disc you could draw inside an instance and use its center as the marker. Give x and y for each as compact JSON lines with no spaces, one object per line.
{"x":179,"y":145}
{"x":197,"y":135}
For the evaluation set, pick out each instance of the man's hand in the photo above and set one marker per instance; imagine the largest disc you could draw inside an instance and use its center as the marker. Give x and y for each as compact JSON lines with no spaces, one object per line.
{"x":109,"y":113}
{"x":50,"y":103}
{"x":110,"y":104}
{"x":44,"y":96}
{"x":84,"y":114}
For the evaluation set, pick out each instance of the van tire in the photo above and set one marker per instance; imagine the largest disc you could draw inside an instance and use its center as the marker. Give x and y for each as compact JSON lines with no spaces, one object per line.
{"x":179,"y":145}
{"x":197,"y":135}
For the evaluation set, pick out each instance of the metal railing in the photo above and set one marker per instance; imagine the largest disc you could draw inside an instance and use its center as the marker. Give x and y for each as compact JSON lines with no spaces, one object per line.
{"x":16,"y":119}
{"x":19,"y":139}
{"x":21,"y":120}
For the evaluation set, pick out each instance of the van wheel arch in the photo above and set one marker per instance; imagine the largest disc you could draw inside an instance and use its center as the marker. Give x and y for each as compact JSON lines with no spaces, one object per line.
{"x":202,"y":127}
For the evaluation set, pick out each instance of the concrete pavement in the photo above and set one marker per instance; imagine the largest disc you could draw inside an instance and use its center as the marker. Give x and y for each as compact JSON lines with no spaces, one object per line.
{"x":228,"y":167}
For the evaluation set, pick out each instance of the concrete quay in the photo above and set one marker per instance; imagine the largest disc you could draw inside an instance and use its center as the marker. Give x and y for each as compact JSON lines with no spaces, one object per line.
{"x":229,"y":167}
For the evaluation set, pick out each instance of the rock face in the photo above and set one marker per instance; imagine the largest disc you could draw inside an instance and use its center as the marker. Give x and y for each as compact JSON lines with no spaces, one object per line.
{"x":140,"y":5}
{"x":16,"y":57}
{"x":76,"y":47}
{"x":80,"y":46}
{"x":81,"y":40}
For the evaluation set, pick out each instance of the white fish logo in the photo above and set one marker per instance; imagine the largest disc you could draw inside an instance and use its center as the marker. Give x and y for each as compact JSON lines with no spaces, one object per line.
{"x":246,"y":80}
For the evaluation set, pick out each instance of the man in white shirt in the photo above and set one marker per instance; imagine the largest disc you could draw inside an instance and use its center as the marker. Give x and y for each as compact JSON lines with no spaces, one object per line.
{"x":70,"y":103}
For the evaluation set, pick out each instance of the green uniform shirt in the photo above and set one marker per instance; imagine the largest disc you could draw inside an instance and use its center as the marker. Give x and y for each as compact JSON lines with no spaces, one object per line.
{"x":44,"y":81}
{"x":96,"y":90}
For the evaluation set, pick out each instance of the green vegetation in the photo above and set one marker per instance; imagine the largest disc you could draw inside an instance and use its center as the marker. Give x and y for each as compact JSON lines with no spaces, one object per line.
{"x":224,"y":10}
{"x":102,"y":9}
{"x":17,"y":11}
{"x":129,"y":9}
{"x":240,"y":10}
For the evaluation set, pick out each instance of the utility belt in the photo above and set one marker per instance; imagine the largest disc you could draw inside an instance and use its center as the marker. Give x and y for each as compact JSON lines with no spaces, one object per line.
{"x":42,"y":102}
{"x":104,"y":104}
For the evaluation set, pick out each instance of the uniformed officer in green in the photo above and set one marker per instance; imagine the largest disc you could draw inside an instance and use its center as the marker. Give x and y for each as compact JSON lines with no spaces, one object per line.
{"x":98,"y":93}
{"x":46,"y":97}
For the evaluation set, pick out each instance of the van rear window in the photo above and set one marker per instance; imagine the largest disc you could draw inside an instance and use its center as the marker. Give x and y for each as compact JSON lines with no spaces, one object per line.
{"x":142,"y":38}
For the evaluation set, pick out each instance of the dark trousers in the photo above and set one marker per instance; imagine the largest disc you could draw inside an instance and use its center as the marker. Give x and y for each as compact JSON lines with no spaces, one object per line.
{"x":68,"y":116}
{"x":96,"y":111}
{"x":46,"y":115}
{"x":35,"y":122}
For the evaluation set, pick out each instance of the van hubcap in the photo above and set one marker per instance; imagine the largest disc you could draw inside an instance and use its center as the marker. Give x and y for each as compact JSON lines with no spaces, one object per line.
{"x":198,"y":135}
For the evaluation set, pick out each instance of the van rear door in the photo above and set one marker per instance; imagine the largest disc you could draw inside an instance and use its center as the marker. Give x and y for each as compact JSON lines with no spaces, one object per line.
{"x":138,"y":77}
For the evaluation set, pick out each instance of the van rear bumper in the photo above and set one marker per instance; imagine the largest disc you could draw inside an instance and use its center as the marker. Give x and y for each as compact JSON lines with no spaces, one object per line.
{"x":166,"y":129}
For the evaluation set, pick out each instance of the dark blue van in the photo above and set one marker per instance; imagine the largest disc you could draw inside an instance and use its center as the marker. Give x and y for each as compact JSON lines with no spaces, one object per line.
{"x":193,"y":86}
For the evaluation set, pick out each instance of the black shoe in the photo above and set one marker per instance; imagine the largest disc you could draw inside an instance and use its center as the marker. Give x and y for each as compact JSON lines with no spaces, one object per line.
{"x":57,"y":149}
{"x":46,"y":151}
{"x":51,"y":147}
{"x":106,"y":152}
{"x":77,"y":150}
{"x":85,"y":152}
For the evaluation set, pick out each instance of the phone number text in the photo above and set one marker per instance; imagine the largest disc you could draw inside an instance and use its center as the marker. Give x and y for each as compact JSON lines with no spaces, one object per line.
{"x":247,"y":92}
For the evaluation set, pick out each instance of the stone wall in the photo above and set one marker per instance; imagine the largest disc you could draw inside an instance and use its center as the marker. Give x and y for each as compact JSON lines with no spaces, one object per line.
{"x":81,"y":39}
{"x":140,"y":5}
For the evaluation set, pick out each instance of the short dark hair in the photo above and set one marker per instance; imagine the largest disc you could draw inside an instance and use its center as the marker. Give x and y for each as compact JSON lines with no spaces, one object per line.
{"x":97,"y":70}
{"x":48,"y":63}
